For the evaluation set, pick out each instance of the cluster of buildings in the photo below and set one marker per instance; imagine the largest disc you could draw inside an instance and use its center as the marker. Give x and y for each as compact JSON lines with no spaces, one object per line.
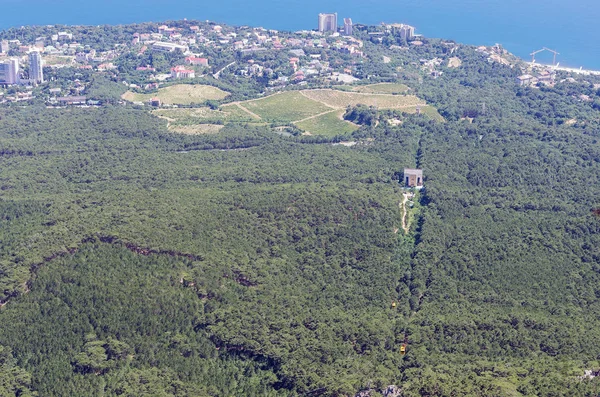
{"x":495,"y":53}
{"x":430,"y":65}
{"x":57,"y":44}
{"x":400,"y":30}
{"x":161,"y":46}
{"x":248,"y":42}
{"x":62,"y":49}
{"x":181,"y":72}
{"x":306,"y":64}
{"x":60,"y":45}
{"x":406,"y":32}
{"x":547,"y":76}
{"x":10,"y":71}
{"x":328,"y":23}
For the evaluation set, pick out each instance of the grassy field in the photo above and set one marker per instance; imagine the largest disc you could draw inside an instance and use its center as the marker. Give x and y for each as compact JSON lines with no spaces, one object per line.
{"x":285,"y":107}
{"x":180,"y":94}
{"x":315,"y":111}
{"x":54,"y":60}
{"x":340,"y":100}
{"x":382,"y":88}
{"x":328,"y":124}
{"x":432,"y":113}
{"x":204,"y":115}
{"x":197,"y":129}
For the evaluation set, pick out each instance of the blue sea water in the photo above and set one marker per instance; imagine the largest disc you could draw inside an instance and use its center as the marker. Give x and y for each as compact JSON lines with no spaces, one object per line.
{"x":569,"y":26}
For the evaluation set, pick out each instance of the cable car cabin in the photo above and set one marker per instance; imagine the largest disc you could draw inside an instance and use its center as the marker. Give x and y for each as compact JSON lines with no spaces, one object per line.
{"x":393,"y":304}
{"x":403,"y":349}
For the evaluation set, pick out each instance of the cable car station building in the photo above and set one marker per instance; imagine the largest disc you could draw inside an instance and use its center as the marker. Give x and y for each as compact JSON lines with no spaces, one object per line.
{"x":413,"y":177}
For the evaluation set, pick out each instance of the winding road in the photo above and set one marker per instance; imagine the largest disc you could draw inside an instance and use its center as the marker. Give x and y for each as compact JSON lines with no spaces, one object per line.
{"x":216,"y":75}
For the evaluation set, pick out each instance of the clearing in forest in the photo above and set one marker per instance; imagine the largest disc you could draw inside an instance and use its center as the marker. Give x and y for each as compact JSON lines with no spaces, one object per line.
{"x":340,"y":99}
{"x":319,"y":112}
{"x":382,"y":88}
{"x":192,"y":116}
{"x":288,"y":106}
{"x":330,"y":123}
{"x":180,"y":94}
{"x":55,"y":60}
{"x":197,"y":129}
{"x":454,"y":62}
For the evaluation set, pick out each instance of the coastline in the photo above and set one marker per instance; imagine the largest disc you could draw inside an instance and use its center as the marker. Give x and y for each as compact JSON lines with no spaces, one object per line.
{"x":582,"y":71}
{"x":475,"y":23}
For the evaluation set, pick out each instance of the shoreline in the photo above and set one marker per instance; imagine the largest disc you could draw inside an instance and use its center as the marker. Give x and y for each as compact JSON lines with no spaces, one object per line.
{"x":64,"y":23}
{"x":565,"y":69}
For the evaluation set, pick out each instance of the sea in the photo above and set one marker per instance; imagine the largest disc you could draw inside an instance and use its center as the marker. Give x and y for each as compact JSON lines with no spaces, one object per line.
{"x":521,"y":26}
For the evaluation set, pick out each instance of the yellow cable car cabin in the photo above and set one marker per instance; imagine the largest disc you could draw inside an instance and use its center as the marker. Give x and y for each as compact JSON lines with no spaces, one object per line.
{"x":403,"y":349}
{"x":393,"y":304}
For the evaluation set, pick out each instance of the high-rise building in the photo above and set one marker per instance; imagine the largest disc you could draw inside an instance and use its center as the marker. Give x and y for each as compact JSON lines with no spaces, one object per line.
{"x":328,"y":22}
{"x":9,"y":71}
{"x":36,"y":72}
{"x":348,"y":26}
{"x":407,"y":32}
{"x":4,"y":47}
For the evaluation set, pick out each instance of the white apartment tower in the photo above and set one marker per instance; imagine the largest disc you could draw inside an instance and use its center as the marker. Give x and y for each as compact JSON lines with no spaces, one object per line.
{"x":348,"y":26}
{"x":407,"y":32}
{"x":36,"y":72}
{"x":9,"y":71}
{"x":328,"y":22}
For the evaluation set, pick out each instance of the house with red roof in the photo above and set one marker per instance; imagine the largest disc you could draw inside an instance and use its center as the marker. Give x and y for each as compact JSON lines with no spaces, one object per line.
{"x":197,"y":61}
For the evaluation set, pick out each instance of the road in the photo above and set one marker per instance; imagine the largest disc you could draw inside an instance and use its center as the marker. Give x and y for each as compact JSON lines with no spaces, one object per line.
{"x":216,"y":75}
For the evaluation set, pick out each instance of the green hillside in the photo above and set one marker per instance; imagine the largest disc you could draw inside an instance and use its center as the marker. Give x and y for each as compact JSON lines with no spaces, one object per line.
{"x":138,"y":262}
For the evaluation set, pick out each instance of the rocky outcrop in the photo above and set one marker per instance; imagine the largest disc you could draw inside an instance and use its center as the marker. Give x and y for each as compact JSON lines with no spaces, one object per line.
{"x":390,"y":391}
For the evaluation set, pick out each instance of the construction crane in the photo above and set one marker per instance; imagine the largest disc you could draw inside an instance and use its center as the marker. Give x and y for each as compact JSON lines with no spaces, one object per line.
{"x":544,"y":49}
{"x":555,"y":54}
{"x":533,"y":54}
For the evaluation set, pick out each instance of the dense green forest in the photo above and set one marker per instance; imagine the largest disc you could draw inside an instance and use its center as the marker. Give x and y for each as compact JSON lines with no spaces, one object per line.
{"x":138,"y":262}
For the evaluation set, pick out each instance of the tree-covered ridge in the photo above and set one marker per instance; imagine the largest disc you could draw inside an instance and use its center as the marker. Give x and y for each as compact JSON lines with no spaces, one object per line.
{"x":255,"y":225}
{"x":138,"y":262}
{"x":157,"y":350}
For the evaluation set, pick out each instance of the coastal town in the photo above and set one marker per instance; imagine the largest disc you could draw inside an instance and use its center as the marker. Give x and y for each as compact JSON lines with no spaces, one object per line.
{"x":21,"y":60}
{"x":57,"y":65}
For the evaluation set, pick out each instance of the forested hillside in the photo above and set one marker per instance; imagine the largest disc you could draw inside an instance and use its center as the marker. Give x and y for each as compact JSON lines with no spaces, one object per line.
{"x":138,"y":262}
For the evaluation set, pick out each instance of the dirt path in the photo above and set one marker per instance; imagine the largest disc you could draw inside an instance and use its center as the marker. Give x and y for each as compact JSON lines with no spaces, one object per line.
{"x":303,"y":93}
{"x":405,"y":224}
{"x":322,"y":103}
{"x":248,"y":111}
{"x":169,"y":120}
{"x":251,"y":100}
{"x":315,"y":116}
{"x":164,"y":117}
{"x":352,"y":92}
